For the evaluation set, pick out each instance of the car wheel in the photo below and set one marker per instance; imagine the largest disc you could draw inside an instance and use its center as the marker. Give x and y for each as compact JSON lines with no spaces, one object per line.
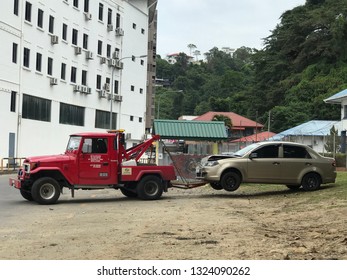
{"x":45,"y":190}
{"x":293,"y":187}
{"x":311,"y":182}
{"x":216,"y":186}
{"x":230,"y":181}
{"x":150,"y":188}
{"x":26,"y":194}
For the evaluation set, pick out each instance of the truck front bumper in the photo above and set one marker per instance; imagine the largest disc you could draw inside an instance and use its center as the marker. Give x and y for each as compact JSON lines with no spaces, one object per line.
{"x":15,"y":183}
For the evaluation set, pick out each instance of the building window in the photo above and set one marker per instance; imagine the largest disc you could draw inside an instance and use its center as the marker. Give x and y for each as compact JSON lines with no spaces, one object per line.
{"x":109,"y":16}
{"x":131,"y":118}
{"x":118,"y":20}
{"x":40,"y":18}
{"x":75,"y":3}
{"x":99,"y":47}
{"x":50,"y":66}
{"x":108,"y":80}
{"x":140,"y":120}
{"x":63,"y":71}
{"x":85,"y":41}
{"x":108,"y":51}
{"x":142,"y":62}
{"x":98,"y":81}
{"x":28,"y":7}
{"x":86,"y":6}
{"x":345,"y":112}
{"x":132,"y":88}
{"x":142,"y":31}
{"x":73,"y":74}
{"x":134,"y":25}
{"x":102,"y":119}
{"x":14,"y":52}
{"x":71,"y":114}
{"x":15,"y":7}
{"x":51,"y":25}
{"x":84,"y":77}
{"x":74,"y":37}
{"x":101,"y":11}
{"x":133,"y":58}
{"x":26,"y":58}
{"x":38,"y":62}
{"x":141,"y":90}
{"x":36,"y":108}
{"x":13,"y":101}
{"x":116,"y":86}
{"x":64,"y":32}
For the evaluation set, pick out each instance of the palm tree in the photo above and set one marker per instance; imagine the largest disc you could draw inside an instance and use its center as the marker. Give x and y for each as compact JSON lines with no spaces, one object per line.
{"x":191,"y":47}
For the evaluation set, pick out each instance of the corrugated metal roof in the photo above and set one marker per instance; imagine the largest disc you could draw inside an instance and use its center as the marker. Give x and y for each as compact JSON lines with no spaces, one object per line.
{"x":311,"y":128}
{"x":337,"y":98}
{"x":190,"y":130}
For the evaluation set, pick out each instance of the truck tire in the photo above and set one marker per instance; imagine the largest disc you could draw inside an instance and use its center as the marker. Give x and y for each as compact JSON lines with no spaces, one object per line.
{"x":45,"y":190}
{"x":230,"y":181}
{"x":150,"y":188}
{"x":128,"y":193}
{"x":26,"y":194}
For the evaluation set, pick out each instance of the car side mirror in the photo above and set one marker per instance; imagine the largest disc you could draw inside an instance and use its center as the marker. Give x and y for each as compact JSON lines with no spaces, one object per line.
{"x":253,"y":155}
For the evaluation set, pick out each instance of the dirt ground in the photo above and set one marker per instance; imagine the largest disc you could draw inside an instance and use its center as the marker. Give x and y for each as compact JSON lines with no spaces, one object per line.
{"x":252,"y":223}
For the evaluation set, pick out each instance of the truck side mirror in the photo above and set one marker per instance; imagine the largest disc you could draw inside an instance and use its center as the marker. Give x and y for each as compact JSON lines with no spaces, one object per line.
{"x":122,"y":138}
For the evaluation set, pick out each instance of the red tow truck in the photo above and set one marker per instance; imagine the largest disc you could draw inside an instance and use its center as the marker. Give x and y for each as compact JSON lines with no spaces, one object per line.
{"x":93,"y":161}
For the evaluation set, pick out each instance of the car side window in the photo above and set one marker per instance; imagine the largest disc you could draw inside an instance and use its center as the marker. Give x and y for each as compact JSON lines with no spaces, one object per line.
{"x":269,"y":151}
{"x":295,"y":152}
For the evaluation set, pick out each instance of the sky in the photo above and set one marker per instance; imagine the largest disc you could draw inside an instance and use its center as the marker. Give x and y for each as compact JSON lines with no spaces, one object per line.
{"x":217,"y":23}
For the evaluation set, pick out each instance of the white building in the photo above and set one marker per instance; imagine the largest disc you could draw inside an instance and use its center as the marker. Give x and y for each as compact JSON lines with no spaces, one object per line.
{"x":60,"y":63}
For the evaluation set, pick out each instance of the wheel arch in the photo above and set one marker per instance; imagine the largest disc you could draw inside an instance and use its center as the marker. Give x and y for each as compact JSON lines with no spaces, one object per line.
{"x":54,"y":174}
{"x":232,"y":169}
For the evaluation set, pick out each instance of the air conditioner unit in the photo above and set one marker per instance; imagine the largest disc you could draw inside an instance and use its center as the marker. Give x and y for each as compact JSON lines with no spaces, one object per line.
{"x":78,"y":50}
{"x":54,"y":39}
{"x":107,"y":86}
{"x":102,"y":94}
{"x":112,"y":62}
{"x":118,"y":98}
{"x":119,"y":64}
{"x":119,"y":31}
{"x":127,"y":136}
{"x":90,"y":55}
{"x":116,"y":55}
{"x":103,"y":60}
{"x":76,"y":88}
{"x":89,"y":90}
{"x":84,"y":89}
{"x":53,"y":81}
{"x":88,"y":16}
{"x":109,"y":27}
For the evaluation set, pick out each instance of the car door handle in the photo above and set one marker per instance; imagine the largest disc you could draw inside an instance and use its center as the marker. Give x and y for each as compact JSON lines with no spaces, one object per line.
{"x":105,"y":163}
{"x":276,"y":163}
{"x":308,"y":164}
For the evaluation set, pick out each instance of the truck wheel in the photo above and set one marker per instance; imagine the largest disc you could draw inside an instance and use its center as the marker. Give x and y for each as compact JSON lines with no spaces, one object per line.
{"x":230,"y":181}
{"x":150,"y":188}
{"x":26,"y":194}
{"x":311,"y":182}
{"x":128,"y":193}
{"x":45,"y":190}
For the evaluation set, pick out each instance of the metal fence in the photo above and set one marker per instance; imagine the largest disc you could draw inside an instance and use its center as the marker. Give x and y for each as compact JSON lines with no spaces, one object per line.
{"x":10,"y":163}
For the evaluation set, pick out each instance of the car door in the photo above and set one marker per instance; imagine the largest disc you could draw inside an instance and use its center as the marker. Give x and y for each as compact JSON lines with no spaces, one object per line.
{"x":295,"y":160}
{"x":263,"y":165}
{"x":94,"y":162}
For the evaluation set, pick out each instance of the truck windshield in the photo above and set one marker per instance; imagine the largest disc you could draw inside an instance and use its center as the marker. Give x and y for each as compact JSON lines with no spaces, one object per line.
{"x":74,"y":143}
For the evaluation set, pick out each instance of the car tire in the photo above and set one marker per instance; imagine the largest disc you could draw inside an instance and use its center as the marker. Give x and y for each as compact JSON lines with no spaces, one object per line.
{"x":293,"y":187}
{"x":150,"y":188}
{"x":216,"y":186}
{"x":45,"y":190}
{"x":311,"y":182}
{"x":126,"y":191}
{"x":230,"y":181}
